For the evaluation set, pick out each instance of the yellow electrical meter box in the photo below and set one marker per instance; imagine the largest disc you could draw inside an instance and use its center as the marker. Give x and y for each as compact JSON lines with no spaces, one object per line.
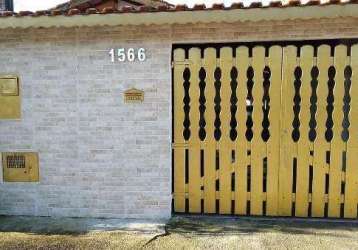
{"x":10,"y":101}
{"x":20,"y":167}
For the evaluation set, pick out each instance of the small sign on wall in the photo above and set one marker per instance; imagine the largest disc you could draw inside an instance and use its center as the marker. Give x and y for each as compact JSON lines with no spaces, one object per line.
{"x":133,"y":95}
{"x":10,"y":102}
{"x":9,"y":86}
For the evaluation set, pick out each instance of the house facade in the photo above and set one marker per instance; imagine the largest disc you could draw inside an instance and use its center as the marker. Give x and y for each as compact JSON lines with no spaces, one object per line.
{"x":137,"y":113}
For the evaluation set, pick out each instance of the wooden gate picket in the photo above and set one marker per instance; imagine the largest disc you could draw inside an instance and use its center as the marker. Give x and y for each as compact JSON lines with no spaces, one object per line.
{"x":242,"y":159}
{"x":351,"y":186}
{"x":338,"y":146}
{"x":321,"y":147}
{"x":179,"y":151}
{"x":304,"y":146}
{"x":273,"y":144}
{"x":258,"y":147}
{"x":287,"y":149}
{"x":209,"y":63}
{"x":194,"y":142}
{"x":226,"y":62}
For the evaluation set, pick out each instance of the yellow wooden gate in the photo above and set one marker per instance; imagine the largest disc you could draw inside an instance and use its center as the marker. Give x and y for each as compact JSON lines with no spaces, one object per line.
{"x":266,"y":130}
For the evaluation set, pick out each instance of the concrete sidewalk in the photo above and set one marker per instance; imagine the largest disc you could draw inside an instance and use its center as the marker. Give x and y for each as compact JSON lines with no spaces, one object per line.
{"x":48,"y":225}
{"x":181,"y":232}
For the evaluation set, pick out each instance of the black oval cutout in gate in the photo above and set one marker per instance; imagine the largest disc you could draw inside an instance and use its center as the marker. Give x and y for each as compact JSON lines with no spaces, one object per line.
{"x":347,"y":102}
{"x":186,"y":101}
{"x":265,"y":134}
{"x":202,"y":107}
{"x":297,"y":105}
{"x":217,"y":101}
{"x":313,"y":100}
{"x":233,"y":101}
{"x":330,"y":103}
{"x":249,"y":105}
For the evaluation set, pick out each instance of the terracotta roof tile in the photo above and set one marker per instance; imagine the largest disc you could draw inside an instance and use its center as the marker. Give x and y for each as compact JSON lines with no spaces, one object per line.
{"x":334,"y":2}
{"x":85,"y":4}
{"x":275,"y":4}
{"x":218,"y":6}
{"x":181,"y":7}
{"x":108,"y":10}
{"x":25,"y":13}
{"x":126,"y":9}
{"x":163,"y":8}
{"x":294,"y":3}
{"x":237,"y":6}
{"x":56,"y":12}
{"x":199,"y":7}
{"x":313,"y":2}
{"x":91,"y":11}
{"x":72,"y":12}
{"x":255,"y":5}
{"x":144,"y":9}
{"x":42,"y":13}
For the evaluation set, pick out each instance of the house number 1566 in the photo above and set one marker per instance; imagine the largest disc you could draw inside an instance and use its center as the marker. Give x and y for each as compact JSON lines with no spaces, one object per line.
{"x":130,"y":55}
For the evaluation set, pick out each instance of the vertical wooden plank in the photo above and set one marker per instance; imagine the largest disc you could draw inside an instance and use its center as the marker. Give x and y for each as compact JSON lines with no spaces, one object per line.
{"x":226,"y":63}
{"x":337,"y":145}
{"x":303,"y":159}
{"x":273,"y":145}
{"x":351,"y":191}
{"x":258,"y":147}
{"x":209,"y":64}
{"x":179,"y":152}
{"x":242,"y":63}
{"x":321,"y":146}
{"x":194,"y":141}
{"x":287,"y":150}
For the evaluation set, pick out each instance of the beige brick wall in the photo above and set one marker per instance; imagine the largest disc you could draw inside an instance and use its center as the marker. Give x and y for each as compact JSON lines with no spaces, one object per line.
{"x":100,"y":157}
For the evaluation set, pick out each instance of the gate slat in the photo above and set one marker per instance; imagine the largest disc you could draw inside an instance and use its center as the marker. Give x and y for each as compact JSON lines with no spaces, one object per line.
{"x":321,"y":146}
{"x":351,"y":191}
{"x":273,"y":145}
{"x":258,"y":147}
{"x":226,"y":63}
{"x":303,"y":159}
{"x":179,"y":153}
{"x":209,"y":63}
{"x":242,"y":63}
{"x":288,"y":148}
{"x":194,"y":141}
{"x":337,"y":145}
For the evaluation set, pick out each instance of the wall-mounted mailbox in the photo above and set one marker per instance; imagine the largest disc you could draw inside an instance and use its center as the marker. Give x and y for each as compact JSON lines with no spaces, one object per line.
{"x":20,"y":167}
{"x":10,"y":102}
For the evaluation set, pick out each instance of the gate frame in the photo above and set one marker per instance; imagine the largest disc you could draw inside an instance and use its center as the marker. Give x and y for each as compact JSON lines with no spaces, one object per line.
{"x":315,"y":43}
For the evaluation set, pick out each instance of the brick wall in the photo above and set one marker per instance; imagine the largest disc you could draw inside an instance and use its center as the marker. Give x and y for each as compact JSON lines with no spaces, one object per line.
{"x":100,"y":157}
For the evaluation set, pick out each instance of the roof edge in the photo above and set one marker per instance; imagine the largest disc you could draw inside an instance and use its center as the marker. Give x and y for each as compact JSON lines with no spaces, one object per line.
{"x":182,"y":17}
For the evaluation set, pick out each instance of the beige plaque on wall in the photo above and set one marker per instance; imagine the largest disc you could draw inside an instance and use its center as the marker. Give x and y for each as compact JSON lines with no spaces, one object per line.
{"x":9,"y":86}
{"x":20,"y":167}
{"x":10,"y":102}
{"x":133,"y":95}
